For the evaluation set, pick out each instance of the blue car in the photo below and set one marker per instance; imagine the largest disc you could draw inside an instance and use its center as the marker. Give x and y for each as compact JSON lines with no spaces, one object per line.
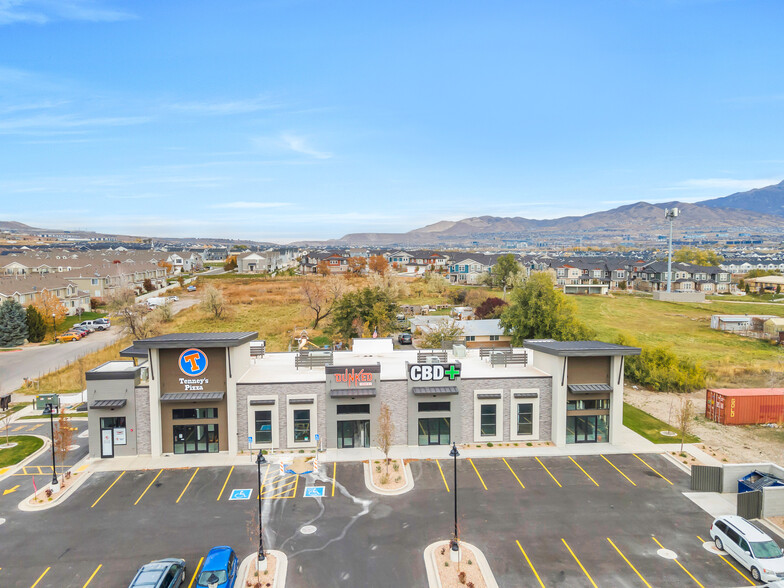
{"x":164,"y":573}
{"x":220,"y":568}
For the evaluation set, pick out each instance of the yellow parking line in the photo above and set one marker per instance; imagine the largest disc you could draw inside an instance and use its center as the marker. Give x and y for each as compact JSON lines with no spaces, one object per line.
{"x":477,"y":473}
{"x":82,"y":468}
{"x":646,"y":463}
{"x":644,"y":581}
{"x":530,"y":565}
{"x":87,"y":583}
{"x":186,"y":485}
{"x":619,"y":471}
{"x":730,"y":564}
{"x":226,"y":482}
{"x":579,"y":563}
{"x":583,"y":471}
{"x":679,"y":564}
{"x":148,"y":487}
{"x":513,"y":473}
{"x":548,"y":471}
{"x":34,"y":427}
{"x":195,"y":573}
{"x":334,"y":476}
{"x":109,"y":488}
{"x":40,"y":578}
{"x":19,"y":428}
{"x":264,"y":479}
{"x":442,"y":475}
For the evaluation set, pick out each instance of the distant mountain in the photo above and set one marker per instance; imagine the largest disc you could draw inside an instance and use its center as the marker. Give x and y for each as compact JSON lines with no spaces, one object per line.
{"x":768,"y":200}
{"x":15,"y":226}
{"x":639,"y":218}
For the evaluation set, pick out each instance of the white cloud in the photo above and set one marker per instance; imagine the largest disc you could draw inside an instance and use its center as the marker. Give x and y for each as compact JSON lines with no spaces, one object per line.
{"x":300,"y":145}
{"x":226,"y":108}
{"x":44,"y":123}
{"x":44,"y":11}
{"x":250,"y":205}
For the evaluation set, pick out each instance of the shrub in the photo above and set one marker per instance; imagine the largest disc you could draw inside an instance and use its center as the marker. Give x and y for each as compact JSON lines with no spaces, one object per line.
{"x":396,"y":466}
{"x":397,"y":478}
{"x":529,"y":444}
{"x":385,"y":479}
{"x":461,"y":577}
{"x":660,"y":369}
{"x":490,"y":444}
{"x":378,"y":468}
{"x":469,"y":562}
{"x":490,"y":308}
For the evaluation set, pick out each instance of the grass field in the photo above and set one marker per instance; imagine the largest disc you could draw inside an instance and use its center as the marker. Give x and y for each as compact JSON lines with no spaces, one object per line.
{"x":26,"y":445}
{"x":685,"y":328}
{"x":650,"y":427}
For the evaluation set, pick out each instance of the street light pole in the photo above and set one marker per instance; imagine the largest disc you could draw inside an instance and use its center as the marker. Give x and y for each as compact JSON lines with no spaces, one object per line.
{"x":454,"y":453}
{"x":670,"y":214}
{"x":50,"y":408}
{"x":261,"y":562}
{"x":54,"y":327}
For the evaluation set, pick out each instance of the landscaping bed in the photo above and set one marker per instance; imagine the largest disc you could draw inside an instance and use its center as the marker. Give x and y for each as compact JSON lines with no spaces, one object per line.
{"x":650,"y":427}
{"x":263,"y":579}
{"x":25,"y":446}
{"x":392,"y":479}
{"x":465,"y":573}
{"x":44,"y":495}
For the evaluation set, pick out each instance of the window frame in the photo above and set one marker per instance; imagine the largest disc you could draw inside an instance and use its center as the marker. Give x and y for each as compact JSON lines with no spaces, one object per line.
{"x":499,"y":415}
{"x":535,"y":414}
{"x":275,"y":421}
{"x":314,"y":412}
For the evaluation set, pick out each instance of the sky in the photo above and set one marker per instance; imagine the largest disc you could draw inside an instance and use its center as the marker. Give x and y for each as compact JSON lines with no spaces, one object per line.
{"x":279,"y":120}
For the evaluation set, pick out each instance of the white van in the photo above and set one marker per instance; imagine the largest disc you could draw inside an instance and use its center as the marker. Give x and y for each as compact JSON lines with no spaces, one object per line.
{"x":753,"y":549}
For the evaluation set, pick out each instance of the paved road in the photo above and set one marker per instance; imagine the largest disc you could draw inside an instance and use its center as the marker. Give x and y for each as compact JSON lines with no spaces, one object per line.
{"x":33,"y":362}
{"x":565,"y":521}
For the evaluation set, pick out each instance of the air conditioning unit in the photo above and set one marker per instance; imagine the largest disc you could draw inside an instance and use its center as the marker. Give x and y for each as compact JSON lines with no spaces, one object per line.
{"x":433,"y":359}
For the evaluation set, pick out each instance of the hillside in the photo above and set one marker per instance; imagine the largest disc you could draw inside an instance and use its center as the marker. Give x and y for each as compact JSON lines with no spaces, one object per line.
{"x":768,"y":200}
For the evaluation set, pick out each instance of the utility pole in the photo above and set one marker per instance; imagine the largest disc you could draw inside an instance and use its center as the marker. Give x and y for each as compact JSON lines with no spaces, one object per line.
{"x":670,"y":214}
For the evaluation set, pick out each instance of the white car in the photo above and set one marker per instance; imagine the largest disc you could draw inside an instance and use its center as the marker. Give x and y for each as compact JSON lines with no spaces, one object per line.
{"x":172,"y":299}
{"x":753,"y":549}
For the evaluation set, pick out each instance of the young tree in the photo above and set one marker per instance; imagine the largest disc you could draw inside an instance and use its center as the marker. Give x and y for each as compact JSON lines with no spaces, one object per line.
{"x":447,"y":330}
{"x":13,"y":323}
{"x":385,"y":431}
{"x":133,"y":315}
{"x":36,"y":327}
{"x":697,"y":256}
{"x":166,"y":265}
{"x":539,"y":311}
{"x":63,"y":438}
{"x":505,"y":270}
{"x":685,"y":418}
{"x":378,"y":264}
{"x":356,"y":265}
{"x":322,"y":268}
{"x":231,"y":264}
{"x":212,"y":301}
{"x":47,"y":304}
{"x":355,"y":310}
{"x":320,"y":295}
{"x":148,"y":285}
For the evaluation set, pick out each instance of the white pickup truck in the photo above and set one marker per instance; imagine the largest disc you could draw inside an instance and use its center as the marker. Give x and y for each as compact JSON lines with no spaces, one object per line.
{"x":155,"y":301}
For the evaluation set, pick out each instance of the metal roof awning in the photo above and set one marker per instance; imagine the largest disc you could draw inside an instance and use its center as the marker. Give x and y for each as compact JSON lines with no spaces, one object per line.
{"x":441,"y":390}
{"x":357,"y":392}
{"x":262,"y":402}
{"x":489,"y":395}
{"x":588,"y":388}
{"x":526,"y":394}
{"x":118,"y":403}
{"x":192,"y":396}
{"x":300,"y":401}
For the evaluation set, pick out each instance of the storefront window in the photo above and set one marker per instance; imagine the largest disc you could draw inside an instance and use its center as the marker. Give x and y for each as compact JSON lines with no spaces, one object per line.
{"x":525,"y":419}
{"x":195,"y":413}
{"x":301,"y":426}
{"x":353,"y":409}
{"x":597,"y":404}
{"x":113,"y":422}
{"x":263,"y":426}
{"x":433,"y":406}
{"x":487,"y":420}
{"x":602,"y":428}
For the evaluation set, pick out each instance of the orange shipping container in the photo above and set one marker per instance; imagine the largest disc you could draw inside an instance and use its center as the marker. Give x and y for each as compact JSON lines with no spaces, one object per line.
{"x":745,"y":406}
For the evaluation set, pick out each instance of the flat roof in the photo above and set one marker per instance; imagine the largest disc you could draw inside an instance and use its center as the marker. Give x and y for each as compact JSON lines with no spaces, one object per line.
{"x":175,"y":340}
{"x":579,"y":348}
{"x":113,"y":370}
{"x":134,"y":351}
{"x":279,"y":367}
{"x":748,"y":391}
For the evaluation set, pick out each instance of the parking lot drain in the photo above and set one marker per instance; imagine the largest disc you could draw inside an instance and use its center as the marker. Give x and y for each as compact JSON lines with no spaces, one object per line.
{"x":667,"y":554}
{"x":308,"y":530}
{"x":711,"y":547}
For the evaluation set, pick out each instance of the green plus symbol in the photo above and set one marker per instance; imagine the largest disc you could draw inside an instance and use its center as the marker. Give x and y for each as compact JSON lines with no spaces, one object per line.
{"x":452,"y":372}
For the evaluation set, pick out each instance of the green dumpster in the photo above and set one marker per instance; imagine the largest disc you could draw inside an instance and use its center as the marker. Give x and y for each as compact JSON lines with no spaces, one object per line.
{"x":43,"y":399}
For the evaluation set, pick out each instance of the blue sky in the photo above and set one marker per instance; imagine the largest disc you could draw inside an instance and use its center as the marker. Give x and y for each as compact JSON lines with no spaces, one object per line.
{"x":286,"y":119}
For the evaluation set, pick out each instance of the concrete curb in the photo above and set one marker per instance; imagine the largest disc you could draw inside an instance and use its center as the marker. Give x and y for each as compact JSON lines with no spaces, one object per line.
{"x":282,"y":563}
{"x":433,"y":579}
{"x":16,"y":467}
{"x":407,"y":487}
{"x":677,"y":462}
{"x":62,"y":496}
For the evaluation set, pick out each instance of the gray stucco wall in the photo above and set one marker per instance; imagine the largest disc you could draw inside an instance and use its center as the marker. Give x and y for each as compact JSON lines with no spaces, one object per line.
{"x":112,"y":389}
{"x":143,"y":442}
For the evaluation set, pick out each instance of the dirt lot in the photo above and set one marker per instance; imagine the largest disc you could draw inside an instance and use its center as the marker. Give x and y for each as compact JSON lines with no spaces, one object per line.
{"x":736,"y":444}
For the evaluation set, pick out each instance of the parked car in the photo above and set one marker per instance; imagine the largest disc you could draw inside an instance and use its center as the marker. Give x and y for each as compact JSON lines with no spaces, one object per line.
{"x":105,"y":322}
{"x":191,"y":288}
{"x":219,"y":569}
{"x":405,"y":339}
{"x":172,"y":298}
{"x":84,"y":326}
{"x":163,"y":573}
{"x":94,"y":325}
{"x":83,"y":330}
{"x":68,"y":336}
{"x":748,"y":544}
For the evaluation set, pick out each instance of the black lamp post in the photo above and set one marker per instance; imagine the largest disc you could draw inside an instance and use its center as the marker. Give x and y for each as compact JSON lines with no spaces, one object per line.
{"x":54,"y":327}
{"x":259,"y":461}
{"x":50,"y":408}
{"x":454,"y":453}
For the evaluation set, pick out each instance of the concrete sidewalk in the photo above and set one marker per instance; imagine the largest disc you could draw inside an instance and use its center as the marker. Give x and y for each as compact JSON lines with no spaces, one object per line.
{"x":627,"y":441}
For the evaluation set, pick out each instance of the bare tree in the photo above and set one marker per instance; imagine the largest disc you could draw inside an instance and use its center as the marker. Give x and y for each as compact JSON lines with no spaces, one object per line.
{"x":685,"y":418}
{"x":212,"y":301}
{"x":385,"y":431}
{"x":63,"y":438}
{"x":321,"y":294}
{"x":132,"y":315}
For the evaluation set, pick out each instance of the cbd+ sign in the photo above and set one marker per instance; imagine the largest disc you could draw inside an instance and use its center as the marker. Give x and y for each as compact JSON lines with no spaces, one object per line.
{"x":433,"y":372}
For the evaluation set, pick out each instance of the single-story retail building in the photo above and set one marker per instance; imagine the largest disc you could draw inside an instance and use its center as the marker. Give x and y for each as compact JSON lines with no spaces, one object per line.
{"x":204,"y":393}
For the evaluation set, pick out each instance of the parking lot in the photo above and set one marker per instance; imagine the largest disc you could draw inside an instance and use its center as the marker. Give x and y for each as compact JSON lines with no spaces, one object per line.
{"x":554,"y":521}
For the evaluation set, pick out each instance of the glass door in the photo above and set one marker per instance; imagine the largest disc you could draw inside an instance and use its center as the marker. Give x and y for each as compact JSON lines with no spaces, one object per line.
{"x":434,"y":431}
{"x":196,"y":438}
{"x":585,"y":429}
{"x":353,"y":434}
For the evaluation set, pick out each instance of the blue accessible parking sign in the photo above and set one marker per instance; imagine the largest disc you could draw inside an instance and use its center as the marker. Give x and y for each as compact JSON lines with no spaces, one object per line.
{"x":240,"y":494}
{"x":314,"y":492}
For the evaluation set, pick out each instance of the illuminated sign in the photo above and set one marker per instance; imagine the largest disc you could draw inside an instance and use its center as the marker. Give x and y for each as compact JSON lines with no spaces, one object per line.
{"x":354,"y":378}
{"x":433,"y":372}
{"x":193,"y":362}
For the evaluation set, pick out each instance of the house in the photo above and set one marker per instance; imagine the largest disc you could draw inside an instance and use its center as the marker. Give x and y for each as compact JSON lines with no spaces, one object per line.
{"x":471,"y":268}
{"x":268,"y":261}
{"x":28,"y":289}
{"x":336,"y":262}
{"x":476,"y":333}
{"x":686,"y":277}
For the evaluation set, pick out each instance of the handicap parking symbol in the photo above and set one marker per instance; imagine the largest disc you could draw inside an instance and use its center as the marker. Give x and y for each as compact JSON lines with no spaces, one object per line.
{"x":314,"y":492}
{"x":240,"y":494}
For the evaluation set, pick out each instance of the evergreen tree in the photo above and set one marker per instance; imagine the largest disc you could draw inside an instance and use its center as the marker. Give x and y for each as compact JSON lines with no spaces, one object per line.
{"x":36,"y":327}
{"x":13,"y":323}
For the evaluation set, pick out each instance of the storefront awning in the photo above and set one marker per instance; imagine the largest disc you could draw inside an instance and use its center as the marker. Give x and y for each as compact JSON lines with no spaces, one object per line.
{"x":349,"y":393}
{"x":589,"y":388}
{"x":192,"y":396}
{"x":421,"y":390}
{"x":119,"y":403}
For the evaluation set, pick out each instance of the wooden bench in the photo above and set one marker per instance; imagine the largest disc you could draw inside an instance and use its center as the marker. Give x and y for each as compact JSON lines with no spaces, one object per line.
{"x":424,"y":356}
{"x":312,"y":359}
{"x":504,"y":358}
{"x":487,"y":351}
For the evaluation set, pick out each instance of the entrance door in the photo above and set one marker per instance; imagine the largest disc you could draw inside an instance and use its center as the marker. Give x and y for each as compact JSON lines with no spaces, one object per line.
{"x":585,"y":429}
{"x":195,"y":438}
{"x":434,"y":431}
{"x":353,"y":434}
{"x":107,"y":443}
